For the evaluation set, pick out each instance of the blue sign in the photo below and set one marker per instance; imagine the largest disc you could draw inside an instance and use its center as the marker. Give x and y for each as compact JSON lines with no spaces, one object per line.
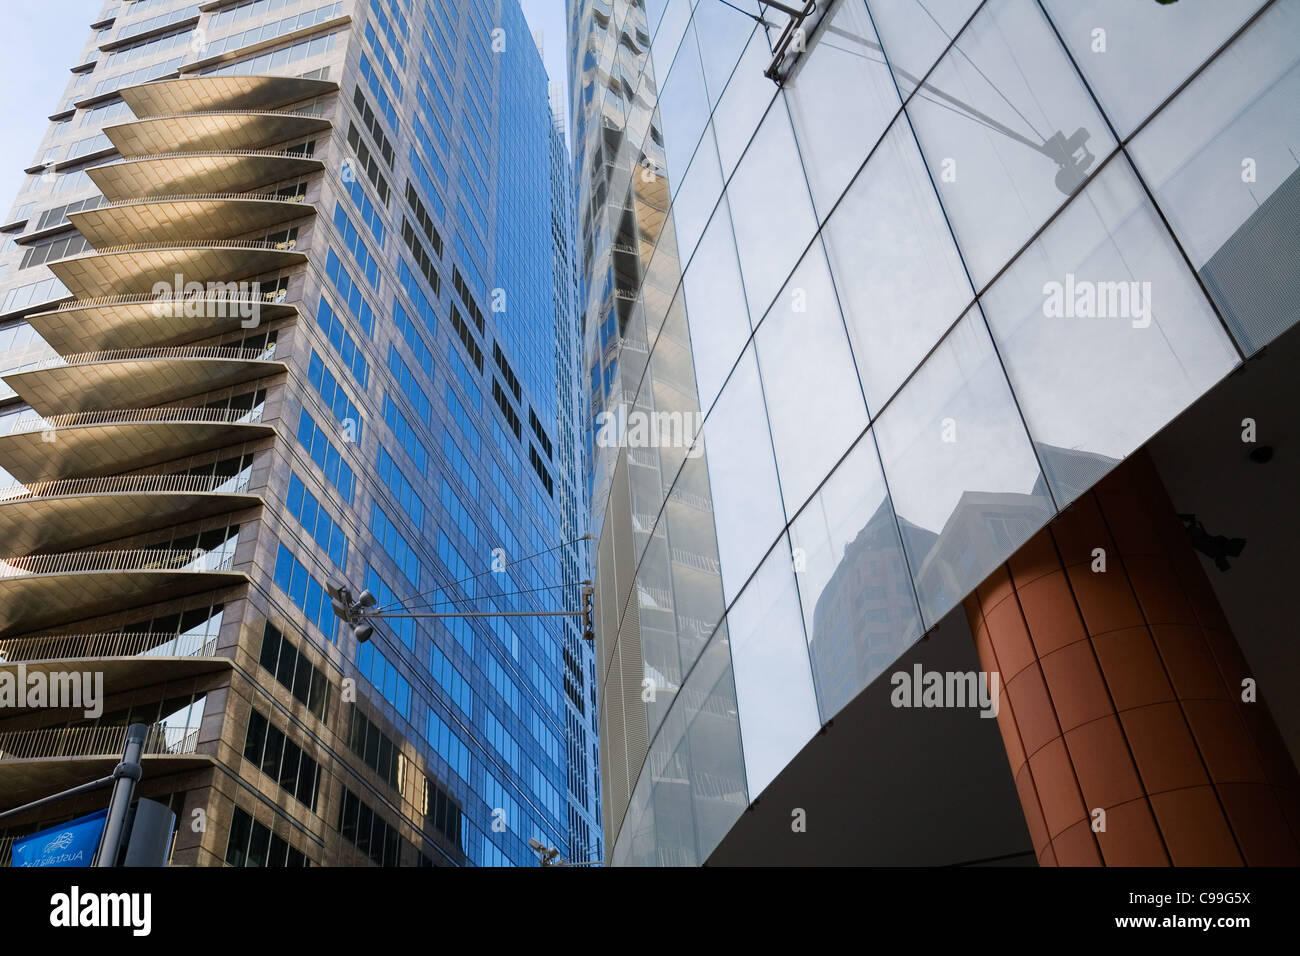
{"x":69,"y":844}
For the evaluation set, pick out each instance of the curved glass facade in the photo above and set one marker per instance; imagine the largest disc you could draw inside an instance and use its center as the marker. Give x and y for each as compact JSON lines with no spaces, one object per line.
{"x":903,"y":307}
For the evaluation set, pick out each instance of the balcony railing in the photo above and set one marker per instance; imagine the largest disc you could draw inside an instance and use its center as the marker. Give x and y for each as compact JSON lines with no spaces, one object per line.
{"x":143,"y":559}
{"x":204,"y":153}
{"x":128,"y":484}
{"x":147,"y":298}
{"x":26,"y":423}
{"x":93,"y":742}
{"x":254,"y":244}
{"x":169,"y":352}
{"x":107,"y":644}
{"x":201,"y":197}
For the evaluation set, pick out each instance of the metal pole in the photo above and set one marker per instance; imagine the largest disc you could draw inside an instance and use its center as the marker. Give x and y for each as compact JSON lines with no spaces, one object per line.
{"x":125,"y":774}
{"x":61,"y":795}
{"x":384,"y":615}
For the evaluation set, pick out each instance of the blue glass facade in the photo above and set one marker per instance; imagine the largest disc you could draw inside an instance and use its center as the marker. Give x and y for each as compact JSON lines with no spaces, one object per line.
{"x":425,"y":422}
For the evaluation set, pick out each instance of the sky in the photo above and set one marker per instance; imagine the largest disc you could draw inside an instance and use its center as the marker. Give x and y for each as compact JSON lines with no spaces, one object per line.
{"x":42,"y":38}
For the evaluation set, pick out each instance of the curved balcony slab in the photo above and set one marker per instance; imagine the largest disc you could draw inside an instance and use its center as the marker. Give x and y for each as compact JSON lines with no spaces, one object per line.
{"x":187,"y":95}
{"x":137,"y":269}
{"x":24,"y":779}
{"x":187,"y":218}
{"x":121,"y":674}
{"x":76,"y":514}
{"x":46,"y":590}
{"x":187,"y":174}
{"x":120,"y":379}
{"x":89,"y":444}
{"x":196,"y":132}
{"x":126,"y":322}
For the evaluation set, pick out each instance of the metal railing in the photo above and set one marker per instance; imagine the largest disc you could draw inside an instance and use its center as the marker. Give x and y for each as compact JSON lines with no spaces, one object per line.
{"x":201,"y":197}
{"x":166,"y":352}
{"x":147,"y":298}
{"x":310,"y":112}
{"x":127,"y":484}
{"x":203,"y":153}
{"x":256,"y":245}
{"x":106,"y":644}
{"x":94,"y":742}
{"x":27,"y":423}
{"x":141,"y":559}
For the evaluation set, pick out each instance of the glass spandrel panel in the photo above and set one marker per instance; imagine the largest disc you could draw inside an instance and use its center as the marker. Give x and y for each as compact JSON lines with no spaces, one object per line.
{"x":724,"y":31}
{"x":744,"y":101}
{"x":1223,"y":160}
{"x":859,"y":609}
{"x":683,"y":108}
{"x":965,"y":483}
{"x":715,"y":307}
{"x":915,"y":33}
{"x":814,"y":400}
{"x":769,"y":658}
{"x":841,"y":98}
{"x":1008,"y":130}
{"x":900,"y":280}
{"x":742,"y":477}
{"x":770,"y":207}
{"x":1104,"y":332}
{"x":1134,"y":55}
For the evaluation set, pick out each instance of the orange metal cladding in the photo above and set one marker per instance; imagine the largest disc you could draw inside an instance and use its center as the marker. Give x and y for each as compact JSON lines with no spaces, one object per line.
{"x":1122,"y":691}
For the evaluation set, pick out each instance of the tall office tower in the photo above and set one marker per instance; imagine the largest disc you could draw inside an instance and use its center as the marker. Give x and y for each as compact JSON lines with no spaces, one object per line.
{"x":988,"y":309}
{"x":288,"y":303}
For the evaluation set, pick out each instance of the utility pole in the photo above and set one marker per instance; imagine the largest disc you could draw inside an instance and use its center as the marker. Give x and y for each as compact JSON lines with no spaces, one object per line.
{"x":125,"y":775}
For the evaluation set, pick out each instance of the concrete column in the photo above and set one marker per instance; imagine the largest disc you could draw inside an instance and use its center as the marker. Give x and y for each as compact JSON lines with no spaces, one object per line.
{"x":1123,"y":693}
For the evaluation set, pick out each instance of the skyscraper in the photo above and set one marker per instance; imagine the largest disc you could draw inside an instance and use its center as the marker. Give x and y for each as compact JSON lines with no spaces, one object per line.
{"x":941,"y":337}
{"x":288,"y":304}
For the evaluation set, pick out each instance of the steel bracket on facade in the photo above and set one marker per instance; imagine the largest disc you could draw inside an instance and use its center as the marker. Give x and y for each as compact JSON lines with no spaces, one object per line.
{"x":793,"y":37}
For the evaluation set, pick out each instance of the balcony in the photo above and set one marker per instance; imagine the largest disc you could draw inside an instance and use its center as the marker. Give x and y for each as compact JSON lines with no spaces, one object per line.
{"x":194,"y":173}
{"x":186,"y":218}
{"x":138,"y":268}
{"x":150,"y":376}
{"x":34,"y":763}
{"x":192,"y":94}
{"x":214,"y":130}
{"x":40,"y":591}
{"x":138,"y":321}
{"x":128,"y":661}
{"x":84,"y":444}
{"x":80,"y":512}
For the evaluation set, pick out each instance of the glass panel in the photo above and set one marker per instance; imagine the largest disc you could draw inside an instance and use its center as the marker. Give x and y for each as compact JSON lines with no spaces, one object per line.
{"x":770,"y":205}
{"x":965,"y":483}
{"x":1104,"y":332}
{"x":744,"y":102}
{"x":836,"y":131}
{"x":859,"y":610}
{"x":900,"y":280}
{"x":725,"y":30}
{"x":1223,"y":160}
{"x":683,"y":107}
{"x":715,"y":307}
{"x":1008,"y":130}
{"x":769,"y":657}
{"x":742,"y":477}
{"x":814,"y":400}
{"x":1135,"y":54}
{"x":697,"y":194}
{"x":916,"y":32}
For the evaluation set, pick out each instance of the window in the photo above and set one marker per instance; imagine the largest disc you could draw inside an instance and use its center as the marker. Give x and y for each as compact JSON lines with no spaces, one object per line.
{"x":322,"y":379}
{"x":351,"y":292}
{"x":271,"y":751}
{"x":253,"y":844}
{"x":305,"y":591}
{"x":302,"y":504}
{"x":405,"y":435}
{"x":343,"y":343}
{"x":307,"y":684}
{"x":375,"y":748}
{"x":394,"y":544}
{"x":325,"y":455}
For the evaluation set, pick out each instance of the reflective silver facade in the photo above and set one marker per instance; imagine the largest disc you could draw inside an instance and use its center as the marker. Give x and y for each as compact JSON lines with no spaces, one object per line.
{"x":907,"y":303}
